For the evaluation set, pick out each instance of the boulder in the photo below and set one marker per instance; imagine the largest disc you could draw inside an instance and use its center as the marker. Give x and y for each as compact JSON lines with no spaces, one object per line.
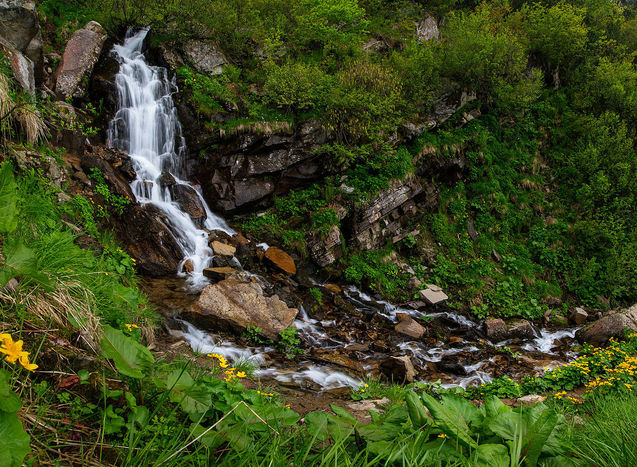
{"x":147,"y":234}
{"x":427,"y":29}
{"x":398,"y":369}
{"x":578,"y":316}
{"x":188,"y":266}
{"x":22,"y":67}
{"x":280,"y":260}
{"x":413,"y":283}
{"x":205,"y":56}
{"x":433,"y":294}
{"x":223,"y":249}
{"x":521,"y":329}
{"x":238,"y":304}
{"x":599,"y":332}
{"x":189,"y":201}
{"x":19,"y":25}
{"x":496,"y":329}
{"x":81,"y":53}
{"x":219,"y":274}
{"x":410,"y":327}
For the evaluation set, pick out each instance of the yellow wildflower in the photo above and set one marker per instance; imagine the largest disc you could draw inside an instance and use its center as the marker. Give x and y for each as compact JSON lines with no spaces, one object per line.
{"x":12,"y":350}
{"x":24,"y":361}
{"x":241,"y":374}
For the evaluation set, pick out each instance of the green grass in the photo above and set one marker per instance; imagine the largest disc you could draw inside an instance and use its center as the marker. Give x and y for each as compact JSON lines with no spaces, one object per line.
{"x":608,"y":437}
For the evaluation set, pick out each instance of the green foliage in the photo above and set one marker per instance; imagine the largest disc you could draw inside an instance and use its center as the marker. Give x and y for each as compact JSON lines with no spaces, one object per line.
{"x":14,"y":442}
{"x":288,"y":343}
{"x":117,"y":202}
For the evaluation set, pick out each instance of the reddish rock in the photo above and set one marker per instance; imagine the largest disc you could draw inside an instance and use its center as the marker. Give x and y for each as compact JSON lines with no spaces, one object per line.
{"x":410,"y":327}
{"x":333,"y":288}
{"x":496,"y":329}
{"x":80,"y":55}
{"x":188,"y":267}
{"x":578,"y":316}
{"x":281,"y":260}
{"x":599,"y":332}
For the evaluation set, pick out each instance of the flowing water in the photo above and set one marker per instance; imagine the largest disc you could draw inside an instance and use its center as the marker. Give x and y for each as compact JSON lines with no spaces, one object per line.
{"x":147,"y":128}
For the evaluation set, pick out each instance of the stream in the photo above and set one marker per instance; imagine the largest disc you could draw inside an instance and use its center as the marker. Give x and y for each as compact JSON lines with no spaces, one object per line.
{"x":342,"y":347}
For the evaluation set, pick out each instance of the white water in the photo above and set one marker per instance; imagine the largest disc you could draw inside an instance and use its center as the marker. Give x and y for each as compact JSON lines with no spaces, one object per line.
{"x":147,"y":128}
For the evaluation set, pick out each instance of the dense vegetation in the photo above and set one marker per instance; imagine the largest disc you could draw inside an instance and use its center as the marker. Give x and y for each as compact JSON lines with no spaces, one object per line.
{"x":550,"y":188}
{"x":550,"y":185}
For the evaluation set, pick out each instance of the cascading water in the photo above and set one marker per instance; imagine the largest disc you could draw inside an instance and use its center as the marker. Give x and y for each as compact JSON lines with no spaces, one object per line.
{"x":147,"y":128}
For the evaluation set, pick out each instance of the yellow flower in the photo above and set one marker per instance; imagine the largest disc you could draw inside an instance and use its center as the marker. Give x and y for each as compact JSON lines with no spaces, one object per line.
{"x":442,"y":435}
{"x":12,"y":350}
{"x":241,"y":374}
{"x":223,"y":364}
{"x":24,"y":361}
{"x":287,"y":406}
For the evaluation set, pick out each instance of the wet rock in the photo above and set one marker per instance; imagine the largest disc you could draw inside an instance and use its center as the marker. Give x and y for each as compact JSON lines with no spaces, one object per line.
{"x":189,"y":202}
{"x":188,"y":267}
{"x":578,"y":316}
{"x":521,"y":329}
{"x":453,"y":368}
{"x":205,"y":56}
{"x":337,"y":357}
{"x":280,"y":260}
{"x":433,"y":294}
{"x":146,"y":232}
{"x":455,"y":340}
{"x":223,"y":249}
{"x":496,"y":329}
{"x":219,"y":274}
{"x":410,"y":327}
{"x":237,"y":305}
{"x":398,"y":369}
{"x":599,"y":332}
{"x":81,"y":53}
{"x":530,"y":400}
{"x":427,"y":29}
{"x":166,"y":179}
{"x":115,"y":166}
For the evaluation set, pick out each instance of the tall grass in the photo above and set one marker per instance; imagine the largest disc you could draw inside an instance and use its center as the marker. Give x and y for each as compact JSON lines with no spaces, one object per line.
{"x":609,"y":435}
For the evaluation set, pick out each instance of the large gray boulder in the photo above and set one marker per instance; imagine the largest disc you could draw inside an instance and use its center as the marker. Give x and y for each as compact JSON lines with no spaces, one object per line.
{"x":205,"y":56}
{"x":612,"y":325}
{"x":19,"y":22}
{"x":81,"y":53}
{"x":236,"y":304}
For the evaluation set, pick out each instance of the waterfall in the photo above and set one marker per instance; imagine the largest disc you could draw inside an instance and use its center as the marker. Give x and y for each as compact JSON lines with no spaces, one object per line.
{"x":146,"y":127}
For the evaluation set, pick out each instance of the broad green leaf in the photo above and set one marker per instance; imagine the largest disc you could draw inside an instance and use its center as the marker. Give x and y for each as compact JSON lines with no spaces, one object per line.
{"x":343,"y":414}
{"x":388,"y":429}
{"x":8,"y":199}
{"x":494,"y":407}
{"x":21,"y":261}
{"x":194,"y":399}
{"x":492,"y":455}
{"x":211,"y":439}
{"x":130,"y":357}
{"x":9,"y":401}
{"x":536,"y":437}
{"x":469,"y":412}
{"x":508,"y":425}
{"x":14,"y":442}
{"x":316,"y":423}
{"x":450,"y":421}
{"x":417,"y":412}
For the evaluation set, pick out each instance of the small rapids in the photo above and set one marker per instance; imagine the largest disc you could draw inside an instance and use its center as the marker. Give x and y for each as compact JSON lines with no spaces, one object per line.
{"x":146,"y":126}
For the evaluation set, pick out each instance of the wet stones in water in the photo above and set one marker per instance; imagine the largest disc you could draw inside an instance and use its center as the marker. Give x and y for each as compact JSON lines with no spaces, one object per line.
{"x":398,"y":369}
{"x":188,"y":267}
{"x":223,"y":249}
{"x":219,"y":274}
{"x":333,"y":288}
{"x":497,"y":330}
{"x":280,"y":260}
{"x":409,"y":326}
